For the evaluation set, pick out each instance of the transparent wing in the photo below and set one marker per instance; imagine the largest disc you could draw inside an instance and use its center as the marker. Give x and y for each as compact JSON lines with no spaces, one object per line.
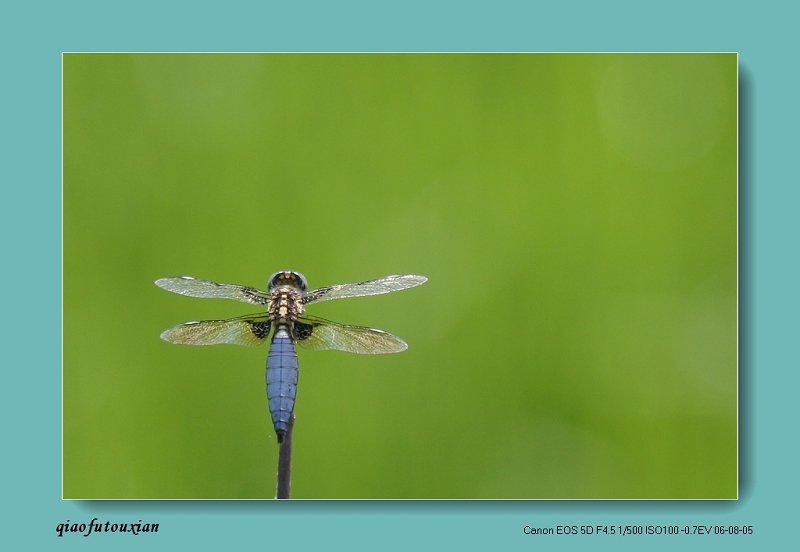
{"x":246,"y":330}
{"x":194,"y":287}
{"x":319,"y":334}
{"x":370,"y":287}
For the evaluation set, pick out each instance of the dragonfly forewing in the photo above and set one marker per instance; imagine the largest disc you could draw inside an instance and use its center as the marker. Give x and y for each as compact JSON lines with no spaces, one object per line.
{"x":361,"y":289}
{"x":194,"y":287}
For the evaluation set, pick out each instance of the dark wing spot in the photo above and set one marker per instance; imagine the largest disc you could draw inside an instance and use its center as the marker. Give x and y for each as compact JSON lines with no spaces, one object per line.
{"x":316,"y":294}
{"x":260,"y":329}
{"x":252,"y":294}
{"x":302,"y":331}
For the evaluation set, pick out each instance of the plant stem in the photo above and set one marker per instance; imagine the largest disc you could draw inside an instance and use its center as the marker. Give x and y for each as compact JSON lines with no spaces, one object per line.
{"x":285,"y":462}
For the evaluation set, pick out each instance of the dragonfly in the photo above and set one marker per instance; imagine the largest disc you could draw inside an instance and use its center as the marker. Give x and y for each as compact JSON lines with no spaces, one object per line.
{"x":284,"y":315}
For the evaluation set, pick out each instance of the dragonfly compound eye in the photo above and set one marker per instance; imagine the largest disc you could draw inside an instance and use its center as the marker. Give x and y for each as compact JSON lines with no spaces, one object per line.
{"x":288,"y":278}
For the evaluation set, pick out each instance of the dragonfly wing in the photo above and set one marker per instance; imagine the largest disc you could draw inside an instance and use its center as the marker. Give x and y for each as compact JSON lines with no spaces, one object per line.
{"x":370,"y":287}
{"x":319,"y":334}
{"x":194,"y":287}
{"x":249,"y":331}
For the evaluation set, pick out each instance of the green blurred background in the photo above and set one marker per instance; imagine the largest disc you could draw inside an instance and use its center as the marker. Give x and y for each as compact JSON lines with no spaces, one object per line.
{"x":576,"y":216}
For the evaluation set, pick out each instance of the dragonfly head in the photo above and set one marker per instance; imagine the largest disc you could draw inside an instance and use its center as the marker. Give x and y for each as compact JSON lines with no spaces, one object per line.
{"x":288,"y":278}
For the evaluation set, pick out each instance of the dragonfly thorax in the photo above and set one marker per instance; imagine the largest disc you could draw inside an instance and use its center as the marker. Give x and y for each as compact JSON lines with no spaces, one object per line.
{"x":286,"y":304}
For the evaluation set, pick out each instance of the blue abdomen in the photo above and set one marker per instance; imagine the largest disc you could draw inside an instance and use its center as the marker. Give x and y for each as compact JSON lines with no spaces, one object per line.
{"x":281,"y":380}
